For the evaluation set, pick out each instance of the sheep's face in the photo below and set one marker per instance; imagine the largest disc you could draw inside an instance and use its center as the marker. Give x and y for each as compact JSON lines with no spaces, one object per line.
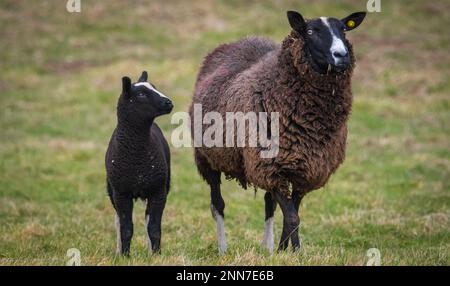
{"x":325,"y":41}
{"x":143,"y":100}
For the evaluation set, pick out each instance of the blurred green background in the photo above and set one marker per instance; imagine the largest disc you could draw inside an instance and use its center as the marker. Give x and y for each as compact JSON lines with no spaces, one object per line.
{"x":60,"y":80}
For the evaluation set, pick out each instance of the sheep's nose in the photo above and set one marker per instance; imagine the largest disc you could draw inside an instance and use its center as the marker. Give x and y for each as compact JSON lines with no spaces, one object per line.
{"x":340,"y":54}
{"x":168,"y":103}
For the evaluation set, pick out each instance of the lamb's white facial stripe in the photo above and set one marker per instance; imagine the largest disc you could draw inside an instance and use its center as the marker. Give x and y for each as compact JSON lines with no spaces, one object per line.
{"x":149,"y":86}
{"x":337,"y":45}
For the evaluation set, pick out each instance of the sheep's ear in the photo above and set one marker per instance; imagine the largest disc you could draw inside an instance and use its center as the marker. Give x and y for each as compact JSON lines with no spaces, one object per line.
{"x":126,"y":85}
{"x":296,"y":21}
{"x":353,"y":21}
{"x":144,"y":77}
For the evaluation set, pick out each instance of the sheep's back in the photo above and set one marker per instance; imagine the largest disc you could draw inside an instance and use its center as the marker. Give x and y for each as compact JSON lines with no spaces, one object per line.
{"x":235,"y":57}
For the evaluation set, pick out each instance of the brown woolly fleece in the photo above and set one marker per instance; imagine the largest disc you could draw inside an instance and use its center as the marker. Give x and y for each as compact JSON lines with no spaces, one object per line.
{"x":257,"y":75}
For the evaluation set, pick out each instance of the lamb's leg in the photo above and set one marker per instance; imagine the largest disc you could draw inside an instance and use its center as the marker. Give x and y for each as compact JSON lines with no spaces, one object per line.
{"x":153,"y":217}
{"x":291,"y":222}
{"x":110,"y":192}
{"x":124,"y":223}
{"x":116,"y":218}
{"x":270,"y":206}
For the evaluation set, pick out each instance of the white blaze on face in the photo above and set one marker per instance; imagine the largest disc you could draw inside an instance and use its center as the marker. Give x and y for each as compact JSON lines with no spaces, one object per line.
{"x":149,"y":86}
{"x":337,"y":45}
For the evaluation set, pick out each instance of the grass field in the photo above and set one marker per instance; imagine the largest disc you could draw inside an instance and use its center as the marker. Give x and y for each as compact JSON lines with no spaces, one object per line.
{"x":59,"y":83}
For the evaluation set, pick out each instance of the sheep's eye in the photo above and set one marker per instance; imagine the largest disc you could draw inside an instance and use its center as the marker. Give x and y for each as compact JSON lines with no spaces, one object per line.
{"x":141,"y":94}
{"x":309,"y":32}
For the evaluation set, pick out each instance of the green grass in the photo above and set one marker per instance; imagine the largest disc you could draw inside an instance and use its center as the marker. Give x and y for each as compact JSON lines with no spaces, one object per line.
{"x":59,"y":86}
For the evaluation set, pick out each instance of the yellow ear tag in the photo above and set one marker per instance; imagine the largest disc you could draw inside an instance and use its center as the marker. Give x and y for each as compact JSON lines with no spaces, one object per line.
{"x":351,"y":23}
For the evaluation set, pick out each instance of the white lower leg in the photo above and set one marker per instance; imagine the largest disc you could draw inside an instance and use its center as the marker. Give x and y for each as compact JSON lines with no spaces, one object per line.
{"x":147,"y":221}
{"x":221,"y":237}
{"x":119,"y":238}
{"x":268,"y":238}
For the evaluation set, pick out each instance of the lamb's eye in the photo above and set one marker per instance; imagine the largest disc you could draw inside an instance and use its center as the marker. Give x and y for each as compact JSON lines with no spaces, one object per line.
{"x":141,"y":94}
{"x":309,"y":32}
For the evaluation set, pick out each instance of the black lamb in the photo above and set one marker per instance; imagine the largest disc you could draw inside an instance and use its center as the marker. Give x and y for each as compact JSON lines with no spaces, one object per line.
{"x":138,"y":161}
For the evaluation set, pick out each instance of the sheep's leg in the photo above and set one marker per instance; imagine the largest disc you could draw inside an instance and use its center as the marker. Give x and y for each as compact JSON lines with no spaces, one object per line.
{"x":291,"y":223}
{"x":270,"y":206}
{"x":154,"y":212}
{"x":124,"y":223}
{"x":297,"y":196}
{"x":217,"y":210}
{"x":212,"y":177}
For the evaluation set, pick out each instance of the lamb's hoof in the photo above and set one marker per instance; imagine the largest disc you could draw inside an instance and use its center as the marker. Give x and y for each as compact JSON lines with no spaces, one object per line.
{"x":121,"y":253}
{"x":156,"y":251}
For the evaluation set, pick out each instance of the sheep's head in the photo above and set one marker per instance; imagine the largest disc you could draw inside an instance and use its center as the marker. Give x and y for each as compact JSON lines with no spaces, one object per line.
{"x":142,"y":100}
{"x":324,"y":40}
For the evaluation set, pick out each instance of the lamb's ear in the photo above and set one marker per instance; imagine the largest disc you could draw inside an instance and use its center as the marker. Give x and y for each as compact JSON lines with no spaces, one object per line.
{"x":353,"y":21}
{"x":296,"y":21}
{"x":126,"y":85}
{"x":144,"y":77}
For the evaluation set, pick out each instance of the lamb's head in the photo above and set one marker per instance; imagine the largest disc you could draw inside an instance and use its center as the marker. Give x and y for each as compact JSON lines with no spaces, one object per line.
{"x":324,"y":40}
{"x":142,"y":100}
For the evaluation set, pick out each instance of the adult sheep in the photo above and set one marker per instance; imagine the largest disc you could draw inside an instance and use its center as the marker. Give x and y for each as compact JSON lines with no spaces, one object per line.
{"x":307,"y":80}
